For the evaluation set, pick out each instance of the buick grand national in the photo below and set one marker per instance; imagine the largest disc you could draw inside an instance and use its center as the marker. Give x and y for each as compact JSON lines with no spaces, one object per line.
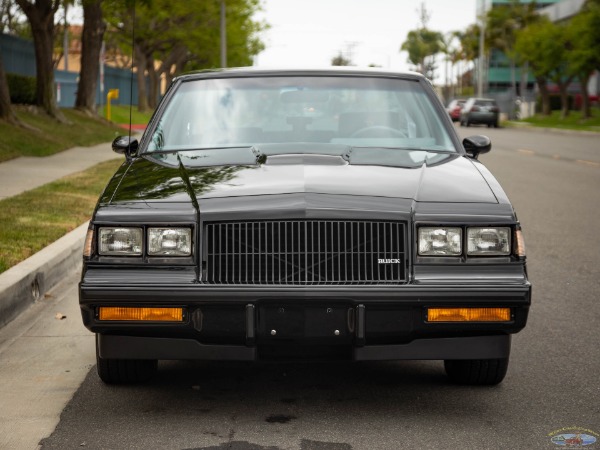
{"x":303,"y":214}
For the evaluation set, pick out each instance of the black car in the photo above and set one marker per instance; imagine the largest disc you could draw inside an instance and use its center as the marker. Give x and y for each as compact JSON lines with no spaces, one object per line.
{"x":325,"y":214}
{"x":480,"y":111}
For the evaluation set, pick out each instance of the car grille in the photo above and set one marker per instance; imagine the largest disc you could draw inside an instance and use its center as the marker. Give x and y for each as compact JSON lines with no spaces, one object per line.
{"x":305,"y":252}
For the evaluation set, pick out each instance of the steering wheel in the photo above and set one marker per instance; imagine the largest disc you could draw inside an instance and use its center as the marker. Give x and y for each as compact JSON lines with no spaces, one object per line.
{"x":378,"y":131}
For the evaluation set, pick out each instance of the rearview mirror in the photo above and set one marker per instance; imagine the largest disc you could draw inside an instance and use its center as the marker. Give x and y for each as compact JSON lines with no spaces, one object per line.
{"x":474,"y":145}
{"x":125,"y":145}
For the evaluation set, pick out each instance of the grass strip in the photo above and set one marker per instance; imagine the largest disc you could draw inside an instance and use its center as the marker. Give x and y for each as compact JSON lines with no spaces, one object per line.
{"x":120,"y":114}
{"x":34,"y":219}
{"x":572,"y":122}
{"x":52,"y":137}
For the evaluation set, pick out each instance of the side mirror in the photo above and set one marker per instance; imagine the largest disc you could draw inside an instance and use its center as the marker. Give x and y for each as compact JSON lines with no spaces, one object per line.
{"x":474,"y":145}
{"x":125,"y":145}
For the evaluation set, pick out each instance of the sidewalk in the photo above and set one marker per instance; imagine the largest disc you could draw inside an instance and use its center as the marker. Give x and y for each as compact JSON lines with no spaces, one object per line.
{"x":26,"y":283}
{"x":43,"y":361}
{"x":22,"y":174}
{"x":44,"y":358}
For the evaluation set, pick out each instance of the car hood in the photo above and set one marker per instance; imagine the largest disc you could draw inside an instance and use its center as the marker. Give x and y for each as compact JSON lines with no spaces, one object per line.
{"x":455,"y":179}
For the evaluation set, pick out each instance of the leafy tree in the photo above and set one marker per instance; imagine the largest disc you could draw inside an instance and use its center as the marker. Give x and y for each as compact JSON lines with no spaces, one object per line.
{"x":171,"y":36}
{"x":448,"y":51}
{"x":340,"y":60}
{"x":545,"y":46}
{"x":41,"y":19}
{"x":469,"y":47}
{"x":502,"y":25}
{"x":469,"y":42}
{"x":422,"y":45}
{"x":584,"y":55}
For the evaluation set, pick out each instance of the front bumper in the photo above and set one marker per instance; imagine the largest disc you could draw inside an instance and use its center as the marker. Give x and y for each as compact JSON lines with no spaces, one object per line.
{"x":349,"y":322}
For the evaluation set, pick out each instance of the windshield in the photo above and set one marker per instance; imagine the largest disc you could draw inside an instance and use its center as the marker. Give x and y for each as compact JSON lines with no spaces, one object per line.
{"x":342,"y":111}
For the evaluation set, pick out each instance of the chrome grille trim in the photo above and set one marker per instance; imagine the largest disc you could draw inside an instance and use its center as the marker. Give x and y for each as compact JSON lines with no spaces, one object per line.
{"x":305,"y":252}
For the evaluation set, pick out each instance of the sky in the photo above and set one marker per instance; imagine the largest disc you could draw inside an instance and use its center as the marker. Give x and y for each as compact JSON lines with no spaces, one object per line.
{"x":309,"y":33}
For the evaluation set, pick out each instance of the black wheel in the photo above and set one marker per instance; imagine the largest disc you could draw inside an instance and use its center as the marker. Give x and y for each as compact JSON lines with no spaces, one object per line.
{"x":467,"y":123}
{"x":477,"y":371}
{"x":124,"y":371}
{"x":489,"y":125}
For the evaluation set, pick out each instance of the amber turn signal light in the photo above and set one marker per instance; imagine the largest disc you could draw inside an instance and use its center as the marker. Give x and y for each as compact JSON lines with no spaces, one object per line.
{"x":520,"y":250}
{"x":141,"y":314}
{"x":468,"y":315}
{"x":89,"y":239}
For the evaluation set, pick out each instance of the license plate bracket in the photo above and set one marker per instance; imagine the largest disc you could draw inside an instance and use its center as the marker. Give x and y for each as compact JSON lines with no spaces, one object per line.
{"x":285,"y":322}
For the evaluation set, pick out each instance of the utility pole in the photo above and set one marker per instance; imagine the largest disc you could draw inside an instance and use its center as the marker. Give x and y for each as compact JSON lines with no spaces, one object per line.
{"x":223,"y":36}
{"x":481,"y":54}
{"x":66,"y":39}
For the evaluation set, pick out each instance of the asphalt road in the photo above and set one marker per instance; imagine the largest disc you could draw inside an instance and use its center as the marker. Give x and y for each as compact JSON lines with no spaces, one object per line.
{"x":552,"y":383}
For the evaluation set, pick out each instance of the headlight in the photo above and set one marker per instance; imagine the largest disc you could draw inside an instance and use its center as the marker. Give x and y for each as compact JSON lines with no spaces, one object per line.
{"x":488,"y":241}
{"x":120,"y":241}
{"x":169,"y":241}
{"x":440,"y":241}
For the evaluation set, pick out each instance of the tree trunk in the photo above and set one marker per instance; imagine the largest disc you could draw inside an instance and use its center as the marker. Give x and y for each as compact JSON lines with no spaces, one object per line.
{"x":564,"y":96}
{"x":41,"y":20}
{"x":523,"y":83}
{"x":141,"y":70}
{"x":153,"y":84}
{"x":91,"y":46}
{"x":513,"y":79}
{"x":564,"y":101}
{"x":6,"y":111}
{"x":542,"y":84}
{"x":586,"y":110}
{"x":173,"y":65}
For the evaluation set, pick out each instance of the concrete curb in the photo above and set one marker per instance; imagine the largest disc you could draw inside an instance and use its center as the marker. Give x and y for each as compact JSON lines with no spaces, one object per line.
{"x":28,"y":281}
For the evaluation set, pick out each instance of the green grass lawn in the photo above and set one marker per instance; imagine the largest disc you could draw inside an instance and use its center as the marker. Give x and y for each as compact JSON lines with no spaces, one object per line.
{"x":52,"y":136}
{"x":572,"y":122}
{"x":36,"y":218}
{"x":120,"y":114}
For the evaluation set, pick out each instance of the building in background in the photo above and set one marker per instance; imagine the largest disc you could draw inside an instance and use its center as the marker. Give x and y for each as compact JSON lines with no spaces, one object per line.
{"x":514,"y":88}
{"x":18,"y":56}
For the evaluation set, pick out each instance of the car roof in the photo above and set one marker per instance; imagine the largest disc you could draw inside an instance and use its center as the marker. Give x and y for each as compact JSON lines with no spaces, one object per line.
{"x":263,"y":71}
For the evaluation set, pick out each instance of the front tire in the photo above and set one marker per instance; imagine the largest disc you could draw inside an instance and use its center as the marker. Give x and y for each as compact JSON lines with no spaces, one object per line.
{"x":124,"y":371}
{"x":477,"y":372}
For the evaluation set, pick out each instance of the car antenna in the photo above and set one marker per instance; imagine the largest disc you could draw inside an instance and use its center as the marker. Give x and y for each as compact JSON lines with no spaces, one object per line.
{"x":131,"y":72}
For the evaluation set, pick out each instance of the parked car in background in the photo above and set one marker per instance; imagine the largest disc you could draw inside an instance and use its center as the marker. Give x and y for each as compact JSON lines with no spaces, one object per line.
{"x":480,"y":111}
{"x":298,"y":214}
{"x":454,"y":108}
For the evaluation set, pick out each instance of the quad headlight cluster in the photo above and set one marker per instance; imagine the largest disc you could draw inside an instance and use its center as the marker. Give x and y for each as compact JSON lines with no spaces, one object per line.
{"x":448,"y":241}
{"x":126,"y":241}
